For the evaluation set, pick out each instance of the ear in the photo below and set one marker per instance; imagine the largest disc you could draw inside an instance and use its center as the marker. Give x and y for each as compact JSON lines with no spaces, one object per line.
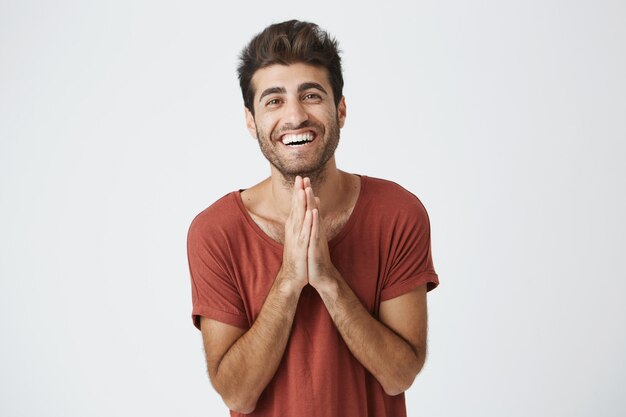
{"x":341,"y":111}
{"x":250,"y":123}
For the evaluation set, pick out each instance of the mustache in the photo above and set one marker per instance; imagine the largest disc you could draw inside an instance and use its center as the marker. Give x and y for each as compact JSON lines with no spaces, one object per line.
{"x":303,"y":125}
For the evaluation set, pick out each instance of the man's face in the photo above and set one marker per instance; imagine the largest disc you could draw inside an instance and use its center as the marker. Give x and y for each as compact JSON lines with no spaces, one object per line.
{"x":295,"y":118}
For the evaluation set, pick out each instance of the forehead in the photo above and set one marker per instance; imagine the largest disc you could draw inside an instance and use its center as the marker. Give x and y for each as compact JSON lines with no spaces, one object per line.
{"x":288,"y":76}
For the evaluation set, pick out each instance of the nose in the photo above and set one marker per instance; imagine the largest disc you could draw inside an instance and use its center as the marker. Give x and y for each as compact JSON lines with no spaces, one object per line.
{"x":295,"y":113}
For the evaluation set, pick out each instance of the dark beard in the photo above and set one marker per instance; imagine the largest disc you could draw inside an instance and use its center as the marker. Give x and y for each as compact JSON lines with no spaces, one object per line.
{"x":315,"y":173}
{"x":317,"y":177}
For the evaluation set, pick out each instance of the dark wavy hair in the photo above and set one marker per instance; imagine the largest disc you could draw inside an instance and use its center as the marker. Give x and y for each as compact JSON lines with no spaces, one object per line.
{"x":288,"y":43}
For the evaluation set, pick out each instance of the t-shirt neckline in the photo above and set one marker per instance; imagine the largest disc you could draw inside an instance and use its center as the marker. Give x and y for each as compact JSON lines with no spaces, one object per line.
{"x":333,"y":242}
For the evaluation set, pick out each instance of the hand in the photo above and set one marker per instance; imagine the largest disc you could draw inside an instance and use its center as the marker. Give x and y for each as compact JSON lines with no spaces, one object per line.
{"x":320,"y":267}
{"x":294,"y":269}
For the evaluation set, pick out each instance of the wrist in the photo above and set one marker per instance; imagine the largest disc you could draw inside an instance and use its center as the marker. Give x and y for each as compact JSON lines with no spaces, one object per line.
{"x":287,"y":286}
{"x":327,"y":285}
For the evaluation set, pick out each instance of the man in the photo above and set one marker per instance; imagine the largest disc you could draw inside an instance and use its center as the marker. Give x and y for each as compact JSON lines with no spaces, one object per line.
{"x":309,"y":287}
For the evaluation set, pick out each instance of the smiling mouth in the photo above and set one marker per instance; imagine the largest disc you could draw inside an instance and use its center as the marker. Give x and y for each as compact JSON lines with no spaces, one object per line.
{"x":298,"y":139}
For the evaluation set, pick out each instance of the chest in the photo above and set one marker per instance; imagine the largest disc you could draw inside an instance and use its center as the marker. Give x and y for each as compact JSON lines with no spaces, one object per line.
{"x":332,"y":226}
{"x":360,"y":261}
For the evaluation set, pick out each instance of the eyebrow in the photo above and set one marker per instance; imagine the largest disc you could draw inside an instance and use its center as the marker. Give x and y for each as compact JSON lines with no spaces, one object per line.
{"x":306,"y":86}
{"x":272,"y":90}
{"x":302,"y":87}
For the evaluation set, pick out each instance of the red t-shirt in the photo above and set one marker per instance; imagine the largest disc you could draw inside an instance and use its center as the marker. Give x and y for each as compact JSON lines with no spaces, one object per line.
{"x":383,"y":251}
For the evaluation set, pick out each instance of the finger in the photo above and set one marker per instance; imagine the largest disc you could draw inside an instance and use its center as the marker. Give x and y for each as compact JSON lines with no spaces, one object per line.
{"x":299,"y":183}
{"x":300,"y":209}
{"x":321,"y":230}
{"x":310,"y":198}
{"x":305,"y":232}
{"x":307,"y":182}
{"x":315,"y":228}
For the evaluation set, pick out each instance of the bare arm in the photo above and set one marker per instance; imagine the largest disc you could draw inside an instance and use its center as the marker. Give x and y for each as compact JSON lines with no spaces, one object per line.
{"x":241,"y":363}
{"x":393,"y":349}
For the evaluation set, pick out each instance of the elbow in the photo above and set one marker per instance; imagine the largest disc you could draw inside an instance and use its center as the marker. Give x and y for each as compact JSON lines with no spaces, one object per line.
{"x":240,"y":402}
{"x":393,"y":392}
{"x":403,"y":379}
{"x":242,"y":408}
{"x":399,"y":383}
{"x":397,"y":388}
{"x":240,"y":405}
{"x":236,"y":399}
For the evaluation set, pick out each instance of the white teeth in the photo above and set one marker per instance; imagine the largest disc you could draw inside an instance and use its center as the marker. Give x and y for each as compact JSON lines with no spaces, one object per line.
{"x":303,"y":137}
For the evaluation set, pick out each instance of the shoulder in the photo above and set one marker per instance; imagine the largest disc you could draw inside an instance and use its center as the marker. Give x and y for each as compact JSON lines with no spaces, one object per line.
{"x":391,"y":198}
{"x":221,"y":217}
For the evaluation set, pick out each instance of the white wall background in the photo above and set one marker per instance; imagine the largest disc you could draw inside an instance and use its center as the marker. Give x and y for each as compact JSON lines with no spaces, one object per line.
{"x":120,"y":120}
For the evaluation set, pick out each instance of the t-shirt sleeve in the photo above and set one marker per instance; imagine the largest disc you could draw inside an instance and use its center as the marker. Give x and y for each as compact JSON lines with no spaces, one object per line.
{"x":214,"y":292}
{"x":411,"y":258}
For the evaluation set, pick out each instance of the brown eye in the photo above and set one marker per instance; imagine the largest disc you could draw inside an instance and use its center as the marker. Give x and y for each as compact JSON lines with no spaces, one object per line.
{"x":312,"y":97}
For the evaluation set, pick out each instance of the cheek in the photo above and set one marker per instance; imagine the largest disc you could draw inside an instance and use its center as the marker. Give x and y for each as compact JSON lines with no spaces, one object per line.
{"x":266,"y":127}
{"x":331,"y":113}
{"x":331,"y":117}
{"x":269,"y":120}
{"x":265,"y":124}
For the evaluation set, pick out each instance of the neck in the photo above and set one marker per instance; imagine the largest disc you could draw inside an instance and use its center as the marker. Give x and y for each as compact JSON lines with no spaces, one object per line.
{"x":328,"y":184}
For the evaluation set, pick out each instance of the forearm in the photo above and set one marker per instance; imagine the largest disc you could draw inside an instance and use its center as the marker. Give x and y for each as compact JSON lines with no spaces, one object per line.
{"x":251,"y":362}
{"x":387,"y":356}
